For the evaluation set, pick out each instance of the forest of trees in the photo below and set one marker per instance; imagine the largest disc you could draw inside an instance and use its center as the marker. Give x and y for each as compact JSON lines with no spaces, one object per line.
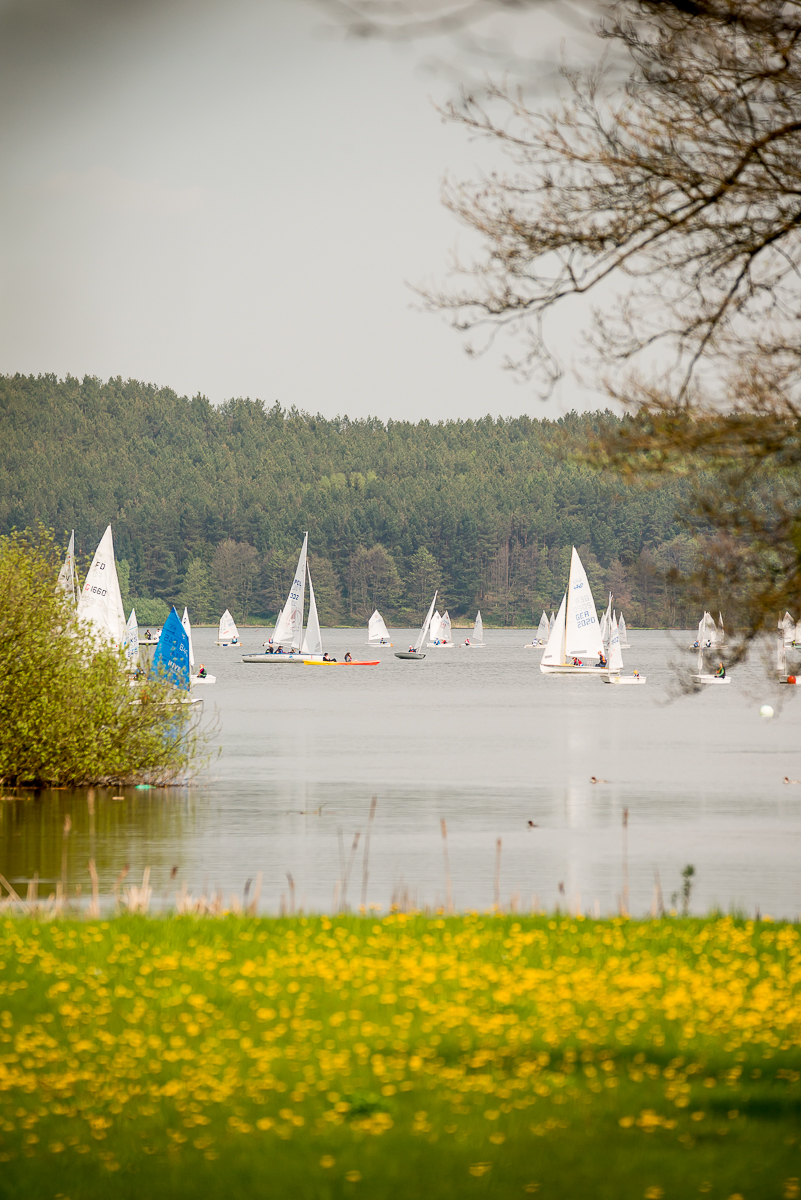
{"x":209,"y":505}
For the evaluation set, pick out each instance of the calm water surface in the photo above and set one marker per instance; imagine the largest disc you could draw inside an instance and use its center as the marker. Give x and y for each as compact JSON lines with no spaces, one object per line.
{"x":478,"y":737}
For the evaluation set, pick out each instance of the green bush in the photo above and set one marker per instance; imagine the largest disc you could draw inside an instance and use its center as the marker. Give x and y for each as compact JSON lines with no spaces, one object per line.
{"x":68,"y":714}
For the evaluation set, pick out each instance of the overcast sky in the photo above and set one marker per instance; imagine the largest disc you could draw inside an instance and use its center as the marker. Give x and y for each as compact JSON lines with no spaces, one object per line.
{"x":228,"y":198}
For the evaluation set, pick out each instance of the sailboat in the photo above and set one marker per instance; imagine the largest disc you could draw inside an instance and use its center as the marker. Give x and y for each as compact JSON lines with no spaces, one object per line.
{"x":543,"y":632}
{"x":787,"y":625}
{"x":415,"y":651}
{"x":576,"y":634}
{"x":702,"y":675}
{"x":615,"y":660}
{"x":171,"y":657}
{"x":227,"y":634}
{"x":476,"y":642}
{"x":131,"y":645}
{"x":312,"y":649}
{"x":707,"y":636}
{"x":377,"y":632}
{"x":100,"y":601}
{"x":194,"y":679}
{"x":441,"y":637}
{"x":623,"y":633}
{"x":66,"y":576}
{"x":285,"y":644}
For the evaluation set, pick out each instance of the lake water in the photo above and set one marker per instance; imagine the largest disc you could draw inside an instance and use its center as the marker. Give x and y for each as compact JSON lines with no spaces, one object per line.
{"x":479,"y":738}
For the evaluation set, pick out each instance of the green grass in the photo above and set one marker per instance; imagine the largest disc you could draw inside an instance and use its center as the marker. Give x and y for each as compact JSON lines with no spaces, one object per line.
{"x":472,"y":1056}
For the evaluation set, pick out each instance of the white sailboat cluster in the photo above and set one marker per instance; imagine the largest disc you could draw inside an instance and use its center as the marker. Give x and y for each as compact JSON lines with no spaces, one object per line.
{"x":439,"y":633}
{"x":710,"y":636}
{"x":576,"y":638}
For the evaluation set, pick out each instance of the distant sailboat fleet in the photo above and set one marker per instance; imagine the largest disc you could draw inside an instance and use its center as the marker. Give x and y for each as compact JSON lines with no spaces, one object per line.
{"x":573,"y":640}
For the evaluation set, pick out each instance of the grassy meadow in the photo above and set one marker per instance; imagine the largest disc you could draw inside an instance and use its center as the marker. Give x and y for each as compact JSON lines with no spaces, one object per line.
{"x":486,"y":1056}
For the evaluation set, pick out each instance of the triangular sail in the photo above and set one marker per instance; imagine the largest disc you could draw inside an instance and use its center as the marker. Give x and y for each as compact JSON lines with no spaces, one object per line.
{"x":228,"y":630}
{"x":622,"y":633}
{"x":787,"y":624}
{"x":554,"y":653}
{"x":615,"y":658}
{"x":171,"y":658}
{"x":551,"y":622}
{"x":422,"y":634}
{"x":313,"y":639}
{"x":543,"y":629}
{"x":66,"y":576}
{"x":781,"y":654}
{"x":445,"y":628}
{"x":434,"y":627}
{"x":721,"y":630}
{"x":291,"y":619}
{"x":478,"y":630}
{"x":100,"y":603}
{"x":582,"y":631}
{"x":377,"y":629}
{"x":188,"y":628}
{"x":131,"y":647}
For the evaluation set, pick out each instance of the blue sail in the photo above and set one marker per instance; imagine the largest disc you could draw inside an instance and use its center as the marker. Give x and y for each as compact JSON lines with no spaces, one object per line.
{"x":171,"y":660}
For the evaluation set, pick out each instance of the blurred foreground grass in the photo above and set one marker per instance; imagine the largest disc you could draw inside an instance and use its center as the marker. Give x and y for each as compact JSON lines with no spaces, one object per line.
{"x":481,"y":1056}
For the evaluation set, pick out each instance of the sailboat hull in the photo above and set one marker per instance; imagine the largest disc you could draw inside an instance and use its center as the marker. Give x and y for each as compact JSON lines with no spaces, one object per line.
{"x":710,"y":679}
{"x":472,"y":645}
{"x":407,"y":654}
{"x":569,"y":669}
{"x":379,"y":645}
{"x":621,"y":679}
{"x":273,"y":658}
{"x":320,"y":662}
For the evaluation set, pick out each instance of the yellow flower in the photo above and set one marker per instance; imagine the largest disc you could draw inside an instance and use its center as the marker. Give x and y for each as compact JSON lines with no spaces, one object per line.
{"x":479,"y":1169}
{"x":353,"y":1176}
{"x":327,"y":1161}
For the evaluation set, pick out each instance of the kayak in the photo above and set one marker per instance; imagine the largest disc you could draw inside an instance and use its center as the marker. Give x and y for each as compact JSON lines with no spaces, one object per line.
{"x":319,"y":662}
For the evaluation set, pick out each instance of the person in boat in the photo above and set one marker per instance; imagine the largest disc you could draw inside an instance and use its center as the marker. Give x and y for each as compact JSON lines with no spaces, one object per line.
{"x":201,"y":672}
{"x":601,"y":659}
{"x":147,"y":635}
{"x":696,"y":645}
{"x":280,"y":650}
{"x":576,"y":662}
{"x":348,"y":657}
{"x":412,"y":649}
{"x":326,"y":657}
{"x":636,"y":674}
{"x":467,"y":641}
{"x":721,"y":671}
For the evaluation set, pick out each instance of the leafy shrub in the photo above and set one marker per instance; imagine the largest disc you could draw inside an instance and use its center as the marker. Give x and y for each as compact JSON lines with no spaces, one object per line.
{"x":68,"y":714}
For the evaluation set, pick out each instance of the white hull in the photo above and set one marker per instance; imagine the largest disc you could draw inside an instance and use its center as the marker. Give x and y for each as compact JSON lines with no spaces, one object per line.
{"x":379,"y":645}
{"x":440,"y":645}
{"x":472,"y":645}
{"x":710,"y":679}
{"x":275,"y":658}
{"x":534,"y":645}
{"x":232,"y":643}
{"x":620,"y":679}
{"x":569,"y":669}
{"x":195,"y":680}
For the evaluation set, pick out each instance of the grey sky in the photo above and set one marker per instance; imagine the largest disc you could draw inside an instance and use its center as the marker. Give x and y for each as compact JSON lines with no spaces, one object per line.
{"x":225,"y":198}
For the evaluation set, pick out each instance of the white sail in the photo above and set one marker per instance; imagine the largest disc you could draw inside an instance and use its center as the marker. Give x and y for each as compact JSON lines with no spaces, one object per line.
{"x":554,"y":654}
{"x":615,"y":658}
{"x":434,"y":627}
{"x":100,"y":603}
{"x":445,"y":628}
{"x":131,"y":647}
{"x":227,"y":630}
{"x":721,"y":630}
{"x":623,"y":633}
{"x":781,"y":653}
{"x":188,"y":628}
{"x":422,"y":634}
{"x":291,"y":621}
{"x":66,"y":576}
{"x":313,"y":639}
{"x":478,"y":630}
{"x":377,"y":631}
{"x":787,"y":624}
{"x":551,"y":623}
{"x":543,"y":629}
{"x":582,"y":631}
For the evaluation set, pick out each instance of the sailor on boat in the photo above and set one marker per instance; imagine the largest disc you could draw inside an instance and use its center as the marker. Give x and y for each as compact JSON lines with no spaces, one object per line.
{"x":348,"y":657}
{"x":201,"y":673}
{"x":577,"y":662}
{"x":721,"y":671}
{"x":696,"y":645}
{"x":601,"y":660}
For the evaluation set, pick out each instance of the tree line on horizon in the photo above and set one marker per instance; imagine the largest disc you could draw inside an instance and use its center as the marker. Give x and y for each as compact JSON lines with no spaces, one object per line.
{"x":209,"y":504}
